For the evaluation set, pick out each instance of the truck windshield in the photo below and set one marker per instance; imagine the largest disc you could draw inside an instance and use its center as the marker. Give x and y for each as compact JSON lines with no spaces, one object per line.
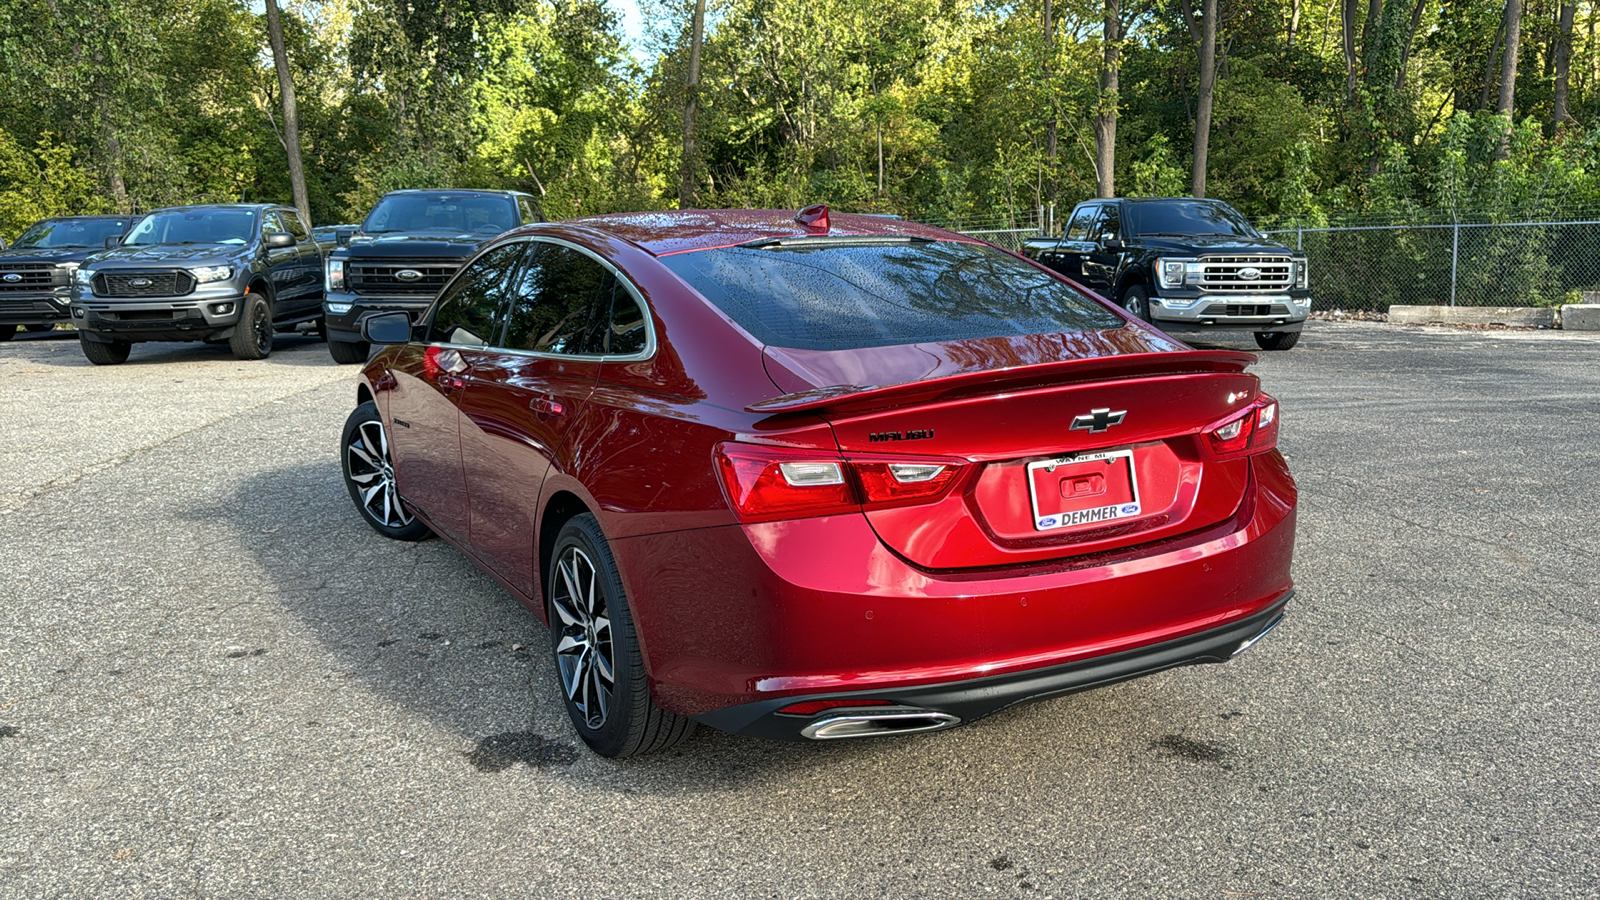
{"x":71,"y":233}
{"x":850,"y":296}
{"x":1185,"y":217}
{"x":446,"y":213}
{"x":196,"y":226}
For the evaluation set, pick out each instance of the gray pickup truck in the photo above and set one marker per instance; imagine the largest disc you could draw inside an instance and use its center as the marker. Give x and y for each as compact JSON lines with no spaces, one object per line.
{"x":234,"y":273}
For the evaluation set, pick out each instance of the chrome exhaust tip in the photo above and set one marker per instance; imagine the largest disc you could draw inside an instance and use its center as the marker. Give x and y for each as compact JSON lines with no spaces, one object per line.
{"x":876,"y":722}
{"x":1246,"y":645}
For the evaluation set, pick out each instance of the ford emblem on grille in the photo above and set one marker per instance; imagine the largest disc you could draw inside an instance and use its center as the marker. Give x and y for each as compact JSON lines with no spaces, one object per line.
{"x":11,"y":278}
{"x":408,"y":275}
{"x":139,"y":282}
{"x":1249,"y":273}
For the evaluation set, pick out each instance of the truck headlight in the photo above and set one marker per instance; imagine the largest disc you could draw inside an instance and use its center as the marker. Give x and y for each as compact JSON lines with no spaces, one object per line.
{"x":1302,"y":275}
{"x":83,"y":276}
{"x":335,"y":280}
{"x":208,"y":274}
{"x":1173,"y":272}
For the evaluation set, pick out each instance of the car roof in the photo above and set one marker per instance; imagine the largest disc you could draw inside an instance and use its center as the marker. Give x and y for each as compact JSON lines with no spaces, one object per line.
{"x":479,"y":192}
{"x":256,"y":206}
{"x":107,"y":216}
{"x":680,"y":231}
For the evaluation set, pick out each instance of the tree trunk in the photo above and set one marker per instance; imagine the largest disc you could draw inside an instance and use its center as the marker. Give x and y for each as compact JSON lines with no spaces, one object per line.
{"x":291,"y":113}
{"x":1105,"y":123}
{"x":689,"y":167}
{"x":1559,"y":115}
{"x":1488,"y":67}
{"x":1051,"y":138}
{"x":1508,"y":73}
{"x":1294,"y":26}
{"x":1370,"y":31}
{"x":1405,"y":50}
{"x":1208,"y":84}
{"x":1347,"y":22}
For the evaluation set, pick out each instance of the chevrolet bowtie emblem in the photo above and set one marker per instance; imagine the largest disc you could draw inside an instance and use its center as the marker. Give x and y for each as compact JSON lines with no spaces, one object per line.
{"x":1098,"y":420}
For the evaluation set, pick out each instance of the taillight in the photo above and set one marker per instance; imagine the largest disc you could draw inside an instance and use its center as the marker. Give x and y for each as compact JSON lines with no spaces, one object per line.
{"x":1253,"y":430}
{"x":766,"y":483}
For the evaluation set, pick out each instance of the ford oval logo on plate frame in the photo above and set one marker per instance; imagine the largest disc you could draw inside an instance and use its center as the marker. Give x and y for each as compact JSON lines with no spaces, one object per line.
{"x":408,"y":275}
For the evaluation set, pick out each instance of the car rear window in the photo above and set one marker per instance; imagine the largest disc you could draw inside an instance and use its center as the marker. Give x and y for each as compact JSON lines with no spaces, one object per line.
{"x":845,"y":296}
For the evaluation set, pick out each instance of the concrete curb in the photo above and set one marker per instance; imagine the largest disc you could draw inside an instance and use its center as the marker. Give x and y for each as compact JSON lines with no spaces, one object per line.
{"x":1580,"y":317}
{"x":1520,"y":316}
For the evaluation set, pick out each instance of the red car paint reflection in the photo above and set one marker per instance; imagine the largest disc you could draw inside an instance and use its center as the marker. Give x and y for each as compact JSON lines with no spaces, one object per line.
{"x":807,"y":449}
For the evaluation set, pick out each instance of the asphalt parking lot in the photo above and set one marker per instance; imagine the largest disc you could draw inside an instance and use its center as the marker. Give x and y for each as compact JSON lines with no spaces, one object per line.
{"x":215,"y":681}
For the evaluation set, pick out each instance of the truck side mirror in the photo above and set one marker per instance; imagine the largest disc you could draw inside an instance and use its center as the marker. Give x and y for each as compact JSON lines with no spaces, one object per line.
{"x":386,"y":328}
{"x":113,"y":242}
{"x":1112,"y":244}
{"x":280,"y":239}
{"x":342,"y":236}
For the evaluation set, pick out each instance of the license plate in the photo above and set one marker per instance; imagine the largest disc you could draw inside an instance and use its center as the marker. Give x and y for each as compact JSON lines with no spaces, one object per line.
{"x":1074,"y":491}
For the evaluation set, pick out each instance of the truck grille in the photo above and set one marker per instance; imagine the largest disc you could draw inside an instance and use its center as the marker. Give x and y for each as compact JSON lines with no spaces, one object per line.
{"x":1246,"y":309}
{"x":31,"y":277}
{"x":143,"y":284}
{"x":1232,"y":273}
{"x":383,"y":277}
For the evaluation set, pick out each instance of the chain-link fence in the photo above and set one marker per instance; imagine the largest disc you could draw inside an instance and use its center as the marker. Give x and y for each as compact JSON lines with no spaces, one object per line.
{"x":1006,"y":229}
{"x":1371,"y":267}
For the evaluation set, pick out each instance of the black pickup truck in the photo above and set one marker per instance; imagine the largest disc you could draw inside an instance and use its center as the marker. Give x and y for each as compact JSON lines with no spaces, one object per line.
{"x":1185,"y":265}
{"x":36,"y":272}
{"x":406,"y":249}
{"x":227,"y":272}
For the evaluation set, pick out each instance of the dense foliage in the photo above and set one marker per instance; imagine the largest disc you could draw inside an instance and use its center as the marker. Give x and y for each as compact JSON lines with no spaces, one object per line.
{"x":935,"y":109}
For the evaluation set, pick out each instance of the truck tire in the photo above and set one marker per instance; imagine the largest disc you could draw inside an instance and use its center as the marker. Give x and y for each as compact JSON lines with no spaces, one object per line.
{"x":1277,"y":340}
{"x":39,"y":327}
{"x":346,"y":352}
{"x":112,"y":354}
{"x":252,"y":337}
{"x":1136,"y":300}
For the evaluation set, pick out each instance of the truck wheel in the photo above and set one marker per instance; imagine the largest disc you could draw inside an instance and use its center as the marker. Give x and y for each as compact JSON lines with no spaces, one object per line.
{"x":1277,"y":340}
{"x":6,"y":331}
{"x":1136,"y":299}
{"x":114,"y":353}
{"x":252,"y":337}
{"x":346,"y":352}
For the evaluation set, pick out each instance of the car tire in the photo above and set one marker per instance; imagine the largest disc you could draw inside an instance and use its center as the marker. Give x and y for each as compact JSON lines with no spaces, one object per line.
{"x":6,"y":332}
{"x":112,"y":354}
{"x":368,"y":468}
{"x":347,"y":352}
{"x":252,"y":337}
{"x":39,"y":327}
{"x":591,"y":629}
{"x":1277,"y":340}
{"x":1136,"y":300}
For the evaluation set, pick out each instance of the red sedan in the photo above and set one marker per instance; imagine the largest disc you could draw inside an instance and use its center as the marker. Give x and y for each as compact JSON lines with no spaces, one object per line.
{"x":810,"y":479}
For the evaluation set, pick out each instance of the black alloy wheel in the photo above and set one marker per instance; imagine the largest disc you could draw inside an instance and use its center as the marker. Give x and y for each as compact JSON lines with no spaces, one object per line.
{"x":369,"y":476}
{"x":598,"y":662}
{"x":1136,"y":300}
{"x":252,"y":336}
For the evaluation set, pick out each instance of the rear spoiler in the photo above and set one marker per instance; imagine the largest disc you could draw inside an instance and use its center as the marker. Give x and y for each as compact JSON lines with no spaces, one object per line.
{"x":858,"y":398}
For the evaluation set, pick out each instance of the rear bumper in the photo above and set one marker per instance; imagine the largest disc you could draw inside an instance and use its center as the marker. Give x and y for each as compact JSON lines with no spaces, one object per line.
{"x":972,"y":699}
{"x":738,"y":621}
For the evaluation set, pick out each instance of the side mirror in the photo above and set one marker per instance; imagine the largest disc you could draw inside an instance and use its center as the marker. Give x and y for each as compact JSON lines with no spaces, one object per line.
{"x":342,"y":236}
{"x":386,"y":328}
{"x":280,"y":239}
{"x":1113,"y":245}
{"x":113,"y":243}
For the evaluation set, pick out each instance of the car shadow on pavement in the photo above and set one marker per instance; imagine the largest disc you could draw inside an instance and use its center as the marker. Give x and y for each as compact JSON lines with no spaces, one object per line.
{"x":420,"y":626}
{"x":288,"y":349}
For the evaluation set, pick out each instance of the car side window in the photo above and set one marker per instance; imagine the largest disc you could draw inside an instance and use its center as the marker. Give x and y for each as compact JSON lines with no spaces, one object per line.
{"x":1109,"y":228}
{"x":560,"y":302}
{"x":528,"y":209}
{"x":293,"y":225}
{"x":628,"y":332}
{"x":1078,"y":228}
{"x":469,"y":312}
{"x":271,"y":222}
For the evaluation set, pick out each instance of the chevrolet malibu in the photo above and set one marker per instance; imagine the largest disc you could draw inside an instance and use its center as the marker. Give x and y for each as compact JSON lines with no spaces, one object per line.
{"x":809,"y":477}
